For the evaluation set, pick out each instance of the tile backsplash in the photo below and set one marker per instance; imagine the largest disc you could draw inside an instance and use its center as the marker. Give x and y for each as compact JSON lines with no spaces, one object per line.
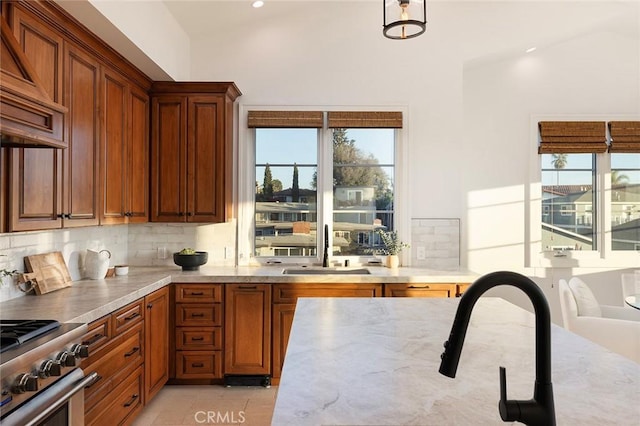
{"x":438,"y":240}
{"x":147,"y":244}
{"x":72,"y":243}
{"x":153,"y":244}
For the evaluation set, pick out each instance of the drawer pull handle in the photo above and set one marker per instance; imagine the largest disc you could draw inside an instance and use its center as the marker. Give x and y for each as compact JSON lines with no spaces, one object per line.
{"x":197,"y":339}
{"x":196,"y":293}
{"x":197,"y":314}
{"x":94,"y":339}
{"x":132,"y":400}
{"x":247,"y":287}
{"x":418,"y":286}
{"x":132,"y":316}
{"x":197,"y":364}
{"x":98,"y":378}
{"x":131,"y":352}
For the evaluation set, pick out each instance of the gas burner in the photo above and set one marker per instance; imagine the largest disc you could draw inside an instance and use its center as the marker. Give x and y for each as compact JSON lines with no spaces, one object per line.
{"x":16,"y":332}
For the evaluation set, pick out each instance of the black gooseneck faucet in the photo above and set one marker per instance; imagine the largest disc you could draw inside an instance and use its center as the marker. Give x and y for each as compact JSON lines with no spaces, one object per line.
{"x":325,"y":257}
{"x":540,"y":409}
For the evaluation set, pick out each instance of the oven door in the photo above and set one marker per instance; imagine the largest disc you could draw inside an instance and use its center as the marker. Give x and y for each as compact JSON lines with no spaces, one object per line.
{"x":61,"y":404}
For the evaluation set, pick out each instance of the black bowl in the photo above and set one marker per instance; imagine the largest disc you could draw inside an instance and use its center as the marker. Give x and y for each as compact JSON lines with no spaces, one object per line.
{"x":190,"y":262}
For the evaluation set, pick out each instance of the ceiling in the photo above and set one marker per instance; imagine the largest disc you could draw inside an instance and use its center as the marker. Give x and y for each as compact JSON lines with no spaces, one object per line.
{"x":478,"y":29}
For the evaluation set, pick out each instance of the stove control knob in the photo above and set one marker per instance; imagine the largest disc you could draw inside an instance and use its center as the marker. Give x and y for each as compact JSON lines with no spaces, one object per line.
{"x":80,"y":351}
{"x":50,"y":368}
{"x":66,"y":359}
{"x":25,"y":382}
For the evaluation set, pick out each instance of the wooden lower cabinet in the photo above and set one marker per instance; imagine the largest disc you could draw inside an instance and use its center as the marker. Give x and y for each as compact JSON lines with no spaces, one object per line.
{"x":285,"y":297}
{"x":123,"y":359}
{"x":129,"y":350}
{"x":420,"y":290}
{"x":156,"y":334}
{"x":197,"y":338}
{"x":247,"y":326}
{"x":121,"y":405}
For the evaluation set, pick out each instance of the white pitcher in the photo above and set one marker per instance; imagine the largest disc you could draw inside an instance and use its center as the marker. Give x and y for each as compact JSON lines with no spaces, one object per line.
{"x":96,"y":264}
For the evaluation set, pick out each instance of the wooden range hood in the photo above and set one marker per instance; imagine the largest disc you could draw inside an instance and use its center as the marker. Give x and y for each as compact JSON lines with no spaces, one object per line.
{"x":28,"y":116}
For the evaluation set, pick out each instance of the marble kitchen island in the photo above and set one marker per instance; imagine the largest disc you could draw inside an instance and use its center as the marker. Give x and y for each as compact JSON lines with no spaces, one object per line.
{"x":375,"y":362}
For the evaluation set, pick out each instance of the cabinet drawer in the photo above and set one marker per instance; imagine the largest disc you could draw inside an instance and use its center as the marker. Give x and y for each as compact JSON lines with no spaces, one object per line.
{"x":98,"y":335}
{"x":198,"y":364}
{"x":126,"y":356}
{"x":127,"y":317}
{"x":121,"y":405}
{"x":199,"y":293}
{"x":199,"y":314}
{"x":200,"y":338}
{"x":289,"y":293}
{"x":420,"y":290}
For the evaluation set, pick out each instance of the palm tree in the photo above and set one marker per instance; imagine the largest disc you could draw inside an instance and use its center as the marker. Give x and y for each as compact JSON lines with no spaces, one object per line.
{"x":559,"y":161}
{"x":618,"y":178}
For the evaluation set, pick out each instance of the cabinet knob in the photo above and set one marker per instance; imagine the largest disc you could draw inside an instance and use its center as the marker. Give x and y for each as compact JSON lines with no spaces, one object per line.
{"x":150,"y":305}
{"x":189,"y":214}
{"x":180,"y":213}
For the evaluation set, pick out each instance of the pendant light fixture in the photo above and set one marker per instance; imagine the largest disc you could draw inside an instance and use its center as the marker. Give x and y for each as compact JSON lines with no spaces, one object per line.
{"x":404,"y":19}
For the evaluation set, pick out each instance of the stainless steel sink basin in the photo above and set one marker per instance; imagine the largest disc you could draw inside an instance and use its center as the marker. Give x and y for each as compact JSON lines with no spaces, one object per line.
{"x":326,"y":271}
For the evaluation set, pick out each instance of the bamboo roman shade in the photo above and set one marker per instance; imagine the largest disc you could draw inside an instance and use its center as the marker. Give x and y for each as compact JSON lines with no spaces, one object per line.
{"x":285,"y":119}
{"x":572,"y":137}
{"x":625,"y":136}
{"x":364,"y":119}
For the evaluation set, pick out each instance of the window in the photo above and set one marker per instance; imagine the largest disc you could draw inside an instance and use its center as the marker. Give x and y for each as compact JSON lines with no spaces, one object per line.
{"x":341,"y":174}
{"x":589,"y":199}
{"x":625,"y":201}
{"x":568,"y":191}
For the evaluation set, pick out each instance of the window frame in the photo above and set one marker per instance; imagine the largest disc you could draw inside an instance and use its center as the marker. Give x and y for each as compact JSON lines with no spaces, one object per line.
{"x":603,"y":256}
{"x":245,"y":186}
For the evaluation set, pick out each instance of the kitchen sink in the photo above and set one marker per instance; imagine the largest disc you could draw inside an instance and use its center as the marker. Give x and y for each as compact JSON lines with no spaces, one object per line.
{"x":325,"y":271}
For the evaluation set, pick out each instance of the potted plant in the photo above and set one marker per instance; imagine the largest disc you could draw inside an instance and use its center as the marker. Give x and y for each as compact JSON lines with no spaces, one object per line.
{"x":392,"y":247}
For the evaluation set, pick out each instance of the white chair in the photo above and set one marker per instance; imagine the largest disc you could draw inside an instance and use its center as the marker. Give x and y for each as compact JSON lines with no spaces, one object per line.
{"x":614,"y":327}
{"x":630,"y":285}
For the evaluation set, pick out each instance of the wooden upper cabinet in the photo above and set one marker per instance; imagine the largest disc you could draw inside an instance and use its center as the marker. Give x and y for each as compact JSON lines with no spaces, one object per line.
{"x":168,"y":158}
{"x":123,"y":151}
{"x":138,"y":158}
{"x":35,"y":174}
{"x":81,"y":159}
{"x":206,"y":161}
{"x":191,"y":151}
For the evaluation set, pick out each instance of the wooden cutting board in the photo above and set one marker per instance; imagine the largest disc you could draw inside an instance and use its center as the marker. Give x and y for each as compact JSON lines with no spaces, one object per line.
{"x":51,"y":271}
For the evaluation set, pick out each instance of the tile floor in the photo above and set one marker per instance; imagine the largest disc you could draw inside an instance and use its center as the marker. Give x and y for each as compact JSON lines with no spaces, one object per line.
{"x":203,"y":405}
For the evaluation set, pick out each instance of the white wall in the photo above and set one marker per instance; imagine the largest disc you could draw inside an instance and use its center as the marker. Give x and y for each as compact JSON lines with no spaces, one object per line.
{"x":470,"y":91}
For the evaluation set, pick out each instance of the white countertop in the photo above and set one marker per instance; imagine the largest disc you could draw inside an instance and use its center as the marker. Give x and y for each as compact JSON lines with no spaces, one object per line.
{"x":375,"y":361}
{"x":87,"y":300}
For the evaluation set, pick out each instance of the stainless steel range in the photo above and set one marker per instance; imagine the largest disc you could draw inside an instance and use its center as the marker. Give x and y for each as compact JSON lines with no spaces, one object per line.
{"x":40,"y":381}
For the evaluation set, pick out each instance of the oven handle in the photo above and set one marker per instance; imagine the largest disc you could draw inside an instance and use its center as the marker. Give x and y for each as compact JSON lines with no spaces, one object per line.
{"x":87,"y":381}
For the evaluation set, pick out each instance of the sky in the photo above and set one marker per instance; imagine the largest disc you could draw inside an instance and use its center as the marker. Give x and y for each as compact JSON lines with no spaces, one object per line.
{"x":286,"y":146}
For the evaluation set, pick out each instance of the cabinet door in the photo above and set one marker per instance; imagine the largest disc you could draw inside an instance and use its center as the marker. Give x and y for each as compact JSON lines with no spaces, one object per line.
{"x":205,"y":150}
{"x":156,"y":362}
{"x":80,"y":198}
{"x":168,"y":159}
{"x":36,"y":174}
{"x":138,"y":157}
{"x":247,"y":327}
{"x":282,"y":321}
{"x":113,"y":148}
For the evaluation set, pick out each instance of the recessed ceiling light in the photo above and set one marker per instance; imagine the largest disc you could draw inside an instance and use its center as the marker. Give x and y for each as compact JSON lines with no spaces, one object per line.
{"x":257,"y":4}
{"x":531,"y":49}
